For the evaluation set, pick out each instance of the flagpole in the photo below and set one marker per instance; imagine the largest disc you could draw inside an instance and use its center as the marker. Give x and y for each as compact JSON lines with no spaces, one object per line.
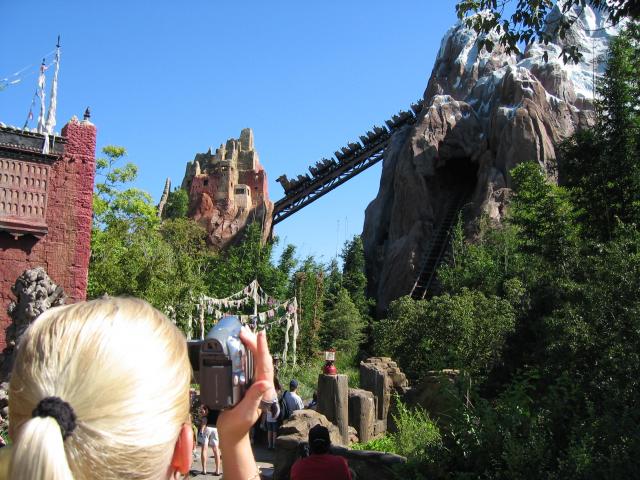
{"x":53,"y":102}
{"x":51,"y":114}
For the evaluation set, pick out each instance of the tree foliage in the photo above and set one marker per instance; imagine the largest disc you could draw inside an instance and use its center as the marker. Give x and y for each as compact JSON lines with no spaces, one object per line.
{"x":177,"y":204}
{"x":111,"y":202}
{"x":527,"y":22}
{"x":342,"y":326}
{"x":466,"y":331}
{"x":601,"y":165}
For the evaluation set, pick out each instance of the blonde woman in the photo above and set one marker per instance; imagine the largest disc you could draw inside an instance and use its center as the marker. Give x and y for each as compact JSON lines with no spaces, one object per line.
{"x":100,"y":390}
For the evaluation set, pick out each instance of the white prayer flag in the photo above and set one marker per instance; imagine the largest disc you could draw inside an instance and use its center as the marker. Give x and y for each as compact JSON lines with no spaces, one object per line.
{"x":41,"y":94}
{"x":53,"y":102}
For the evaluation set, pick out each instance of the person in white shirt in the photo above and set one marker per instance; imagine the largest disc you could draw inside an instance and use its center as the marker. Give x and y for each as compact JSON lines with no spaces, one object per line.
{"x":294,"y":402}
{"x":272,"y":420}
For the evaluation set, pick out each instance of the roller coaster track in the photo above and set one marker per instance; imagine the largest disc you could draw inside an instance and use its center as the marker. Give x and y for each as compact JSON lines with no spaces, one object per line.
{"x":330,"y":174}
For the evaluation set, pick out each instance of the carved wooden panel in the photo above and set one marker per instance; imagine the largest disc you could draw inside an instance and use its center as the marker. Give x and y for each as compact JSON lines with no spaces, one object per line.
{"x":23,"y":194}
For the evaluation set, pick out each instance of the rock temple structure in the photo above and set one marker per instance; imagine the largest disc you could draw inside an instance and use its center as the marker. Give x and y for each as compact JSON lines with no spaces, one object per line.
{"x":228,"y":190}
{"x":45,"y":212}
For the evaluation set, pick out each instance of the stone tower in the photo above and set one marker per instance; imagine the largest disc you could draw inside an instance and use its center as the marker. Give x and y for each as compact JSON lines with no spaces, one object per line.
{"x":228,"y":190}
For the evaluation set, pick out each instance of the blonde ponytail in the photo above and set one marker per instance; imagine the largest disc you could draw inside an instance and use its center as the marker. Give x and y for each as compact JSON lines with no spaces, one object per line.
{"x":38,"y":452}
{"x":123,"y":369}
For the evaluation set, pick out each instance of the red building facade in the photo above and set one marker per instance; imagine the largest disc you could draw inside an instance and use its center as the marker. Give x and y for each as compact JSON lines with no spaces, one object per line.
{"x":46,"y":209}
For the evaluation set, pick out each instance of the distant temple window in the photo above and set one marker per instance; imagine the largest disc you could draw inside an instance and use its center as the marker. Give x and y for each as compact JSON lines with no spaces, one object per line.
{"x":23,"y":196}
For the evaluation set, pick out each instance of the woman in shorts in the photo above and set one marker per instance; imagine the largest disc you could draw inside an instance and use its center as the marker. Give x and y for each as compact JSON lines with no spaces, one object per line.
{"x":209,"y":436}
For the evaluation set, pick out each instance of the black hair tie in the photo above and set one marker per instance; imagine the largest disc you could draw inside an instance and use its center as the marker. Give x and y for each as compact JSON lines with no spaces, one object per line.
{"x":60,"y":410}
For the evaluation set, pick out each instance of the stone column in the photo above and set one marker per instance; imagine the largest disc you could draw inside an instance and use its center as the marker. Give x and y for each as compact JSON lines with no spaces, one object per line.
{"x":362,"y":413}
{"x":333,"y":402}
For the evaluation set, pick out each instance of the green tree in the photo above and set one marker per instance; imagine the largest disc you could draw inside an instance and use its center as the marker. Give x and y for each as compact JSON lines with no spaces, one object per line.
{"x":133,"y":254}
{"x":112,"y":202}
{"x":333,"y":283}
{"x":310,"y":290}
{"x":486,"y":263}
{"x":602,"y":166}
{"x":544,"y":216}
{"x":354,"y":278}
{"x":177,"y":204}
{"x":342,"y":326}
{"x":466,"y":331}
{"x":240,"y":264}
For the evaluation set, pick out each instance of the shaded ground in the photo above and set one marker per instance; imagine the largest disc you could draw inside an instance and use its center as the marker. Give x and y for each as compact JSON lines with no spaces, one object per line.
{"x":263,"y":457}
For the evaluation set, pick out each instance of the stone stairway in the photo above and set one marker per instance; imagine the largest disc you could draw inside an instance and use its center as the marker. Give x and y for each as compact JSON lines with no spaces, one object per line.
{"x":438,"y":248}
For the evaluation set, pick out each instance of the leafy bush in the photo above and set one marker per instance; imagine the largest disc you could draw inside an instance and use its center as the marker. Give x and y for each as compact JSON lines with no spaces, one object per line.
{"x":466,"y":331}
{"x":380,"y":444}
{"x":416,"y":435}
{"x":177,"y":204}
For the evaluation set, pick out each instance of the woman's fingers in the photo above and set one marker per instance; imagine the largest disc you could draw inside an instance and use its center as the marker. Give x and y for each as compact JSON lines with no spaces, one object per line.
{"x":264,"y":363}
{"x":249,"y":339}
{"x":257,"y":344}
{"x":236,"y":422}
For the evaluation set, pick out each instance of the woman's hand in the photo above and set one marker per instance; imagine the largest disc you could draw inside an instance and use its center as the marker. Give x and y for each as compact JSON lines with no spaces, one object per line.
{"x":234,"y":424}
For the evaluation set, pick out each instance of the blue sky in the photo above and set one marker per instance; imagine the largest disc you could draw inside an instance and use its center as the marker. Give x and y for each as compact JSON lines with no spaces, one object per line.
{"x":169,"y":79}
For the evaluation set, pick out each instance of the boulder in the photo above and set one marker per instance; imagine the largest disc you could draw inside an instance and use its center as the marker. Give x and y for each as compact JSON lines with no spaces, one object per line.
{"x":382,"y":377}
{"x":333,"y":402}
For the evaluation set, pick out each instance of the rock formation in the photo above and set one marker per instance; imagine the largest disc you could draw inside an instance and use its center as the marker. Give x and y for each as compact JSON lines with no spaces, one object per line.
{"x":4,"y":411}
{"x":35,"y":293}
{"x":383,"y":378}
{"x":228,"y":190}
{"x":164,"y":197}
{"x":483,"y":114}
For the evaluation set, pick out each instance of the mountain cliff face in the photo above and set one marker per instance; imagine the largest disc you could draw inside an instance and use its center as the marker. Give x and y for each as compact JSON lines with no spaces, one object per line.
{"x":483,"y":114}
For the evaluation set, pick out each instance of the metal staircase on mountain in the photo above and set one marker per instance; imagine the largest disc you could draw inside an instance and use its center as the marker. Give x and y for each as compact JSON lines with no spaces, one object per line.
{"x":438,"y":247}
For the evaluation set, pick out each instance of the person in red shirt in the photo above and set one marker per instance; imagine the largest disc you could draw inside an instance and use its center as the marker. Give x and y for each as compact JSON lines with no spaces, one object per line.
{"x":320,"y":465}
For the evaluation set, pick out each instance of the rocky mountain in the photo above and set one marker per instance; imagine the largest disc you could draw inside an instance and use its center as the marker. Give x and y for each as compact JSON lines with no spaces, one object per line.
{"x":483,"y":114}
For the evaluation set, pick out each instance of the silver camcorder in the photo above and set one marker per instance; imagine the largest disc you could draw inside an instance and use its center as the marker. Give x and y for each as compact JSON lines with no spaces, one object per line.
{"x":222,"y":365}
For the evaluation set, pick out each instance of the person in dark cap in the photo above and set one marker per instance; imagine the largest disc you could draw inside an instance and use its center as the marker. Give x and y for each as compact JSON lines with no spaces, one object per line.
{"x":294,"y":402}
{"x":320,"y":464}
